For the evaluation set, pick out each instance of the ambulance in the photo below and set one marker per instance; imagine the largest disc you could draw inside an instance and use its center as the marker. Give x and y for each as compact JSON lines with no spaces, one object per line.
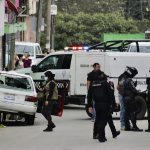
{"x":71,"y":69}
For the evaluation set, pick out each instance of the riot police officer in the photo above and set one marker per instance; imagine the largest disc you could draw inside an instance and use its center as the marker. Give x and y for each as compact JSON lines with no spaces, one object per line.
{"x":130,"y":92}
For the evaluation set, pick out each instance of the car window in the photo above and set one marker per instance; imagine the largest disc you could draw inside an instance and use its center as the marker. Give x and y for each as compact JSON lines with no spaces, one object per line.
{"x":15,"y":83}
{"x":142,"y":49}
{"x":51,"y":62}
{"x":66,"y":61}
{"x":55,"y":62}
{"x":22,"y":49}
{"x":38,"y":50}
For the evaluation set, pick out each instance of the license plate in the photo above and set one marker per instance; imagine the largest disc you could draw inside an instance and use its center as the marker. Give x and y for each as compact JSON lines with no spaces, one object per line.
{"x":9,"y":97}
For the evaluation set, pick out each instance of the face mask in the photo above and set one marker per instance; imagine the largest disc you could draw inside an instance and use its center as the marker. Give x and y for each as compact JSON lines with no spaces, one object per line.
{"x":46,"y":78}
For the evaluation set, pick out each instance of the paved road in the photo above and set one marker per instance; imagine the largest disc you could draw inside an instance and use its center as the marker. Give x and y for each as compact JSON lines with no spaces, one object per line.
{"x":73,"y":132}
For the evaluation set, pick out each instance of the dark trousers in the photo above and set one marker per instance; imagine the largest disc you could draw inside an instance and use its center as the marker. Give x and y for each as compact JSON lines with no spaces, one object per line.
{"x":111,"y":124}
{"x":131,"y":111}
{"x":46,"y":112}
{"x":148,"y":114}
{"x":102,"y":113}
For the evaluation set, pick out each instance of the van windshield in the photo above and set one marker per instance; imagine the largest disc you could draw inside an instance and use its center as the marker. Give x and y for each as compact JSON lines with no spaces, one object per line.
{"x":22,"y":49}
{"x":55,"y":62}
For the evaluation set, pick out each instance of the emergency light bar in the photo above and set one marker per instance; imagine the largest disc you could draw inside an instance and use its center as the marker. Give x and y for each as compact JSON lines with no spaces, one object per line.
{"x":76,"y":48}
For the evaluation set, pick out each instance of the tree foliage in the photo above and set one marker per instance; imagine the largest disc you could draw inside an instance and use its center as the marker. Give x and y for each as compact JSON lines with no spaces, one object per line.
{"x":84,"y":21}
{"x":87,"y":29}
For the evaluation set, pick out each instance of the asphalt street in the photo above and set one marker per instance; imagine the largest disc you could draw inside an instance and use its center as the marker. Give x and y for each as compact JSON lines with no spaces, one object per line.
{"x":73,"y":132}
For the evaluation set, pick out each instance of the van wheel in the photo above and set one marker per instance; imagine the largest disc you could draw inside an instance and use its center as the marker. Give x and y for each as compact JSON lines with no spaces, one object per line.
{"x":87,"y":111}
{"x":141,"y":104}
{"x":29,"y":119}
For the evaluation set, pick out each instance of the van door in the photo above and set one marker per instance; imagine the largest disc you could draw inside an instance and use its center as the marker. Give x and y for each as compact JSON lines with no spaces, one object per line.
{"x":84,"y":65}
{"x":59,"y":64}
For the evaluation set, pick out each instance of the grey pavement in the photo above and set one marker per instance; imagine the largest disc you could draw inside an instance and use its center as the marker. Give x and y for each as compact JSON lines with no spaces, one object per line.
{"x":73,"y":132}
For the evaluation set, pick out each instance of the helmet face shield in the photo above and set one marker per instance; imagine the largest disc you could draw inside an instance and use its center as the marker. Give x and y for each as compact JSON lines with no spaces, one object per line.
{"x":131,"y":71}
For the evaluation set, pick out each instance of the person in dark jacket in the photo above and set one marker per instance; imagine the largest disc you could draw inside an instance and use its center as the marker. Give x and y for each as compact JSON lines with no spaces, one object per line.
{"x":95,"y":74}
{"x":101,"y":92}
{"x":51,"y":96}
{"x":148,"y":104}
{"x":130,"y":91}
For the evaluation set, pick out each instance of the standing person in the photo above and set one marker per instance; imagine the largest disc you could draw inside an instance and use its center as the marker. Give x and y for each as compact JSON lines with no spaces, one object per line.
{"x":101,"y":92}
{"x":51,"y":96}
{"x":130,"y":92}
{"x":148,"y":104}
{"x":120,"y":88}
{"x":19,"y":63}
{"x":98,"y":75}
{"x":95,"y":74}
{"x":16,"y":58}
{"x":27,"y":61}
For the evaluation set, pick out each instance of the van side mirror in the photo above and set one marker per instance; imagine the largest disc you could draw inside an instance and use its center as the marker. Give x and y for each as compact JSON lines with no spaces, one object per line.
{"x":34,"y":68}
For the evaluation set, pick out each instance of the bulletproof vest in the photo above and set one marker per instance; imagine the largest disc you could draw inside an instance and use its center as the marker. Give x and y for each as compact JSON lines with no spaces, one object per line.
{"x":55,"y":92}
{"x":99,"y":91}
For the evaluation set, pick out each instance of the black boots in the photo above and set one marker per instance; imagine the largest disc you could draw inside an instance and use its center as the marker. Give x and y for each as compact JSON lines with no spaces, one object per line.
{"x":49,"y":128}
{"x":148,"y":130}
{"x":116,"y":134}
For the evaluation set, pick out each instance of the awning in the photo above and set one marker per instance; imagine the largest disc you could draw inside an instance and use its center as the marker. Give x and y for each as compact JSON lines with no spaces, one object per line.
{"x":12,"y":7}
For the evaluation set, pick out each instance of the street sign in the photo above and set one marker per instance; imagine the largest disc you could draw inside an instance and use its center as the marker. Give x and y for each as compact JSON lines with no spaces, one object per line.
{"x":53,"y":9}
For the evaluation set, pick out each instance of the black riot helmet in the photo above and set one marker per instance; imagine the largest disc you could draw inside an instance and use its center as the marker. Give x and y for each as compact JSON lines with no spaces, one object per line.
{"x":131,"y":72}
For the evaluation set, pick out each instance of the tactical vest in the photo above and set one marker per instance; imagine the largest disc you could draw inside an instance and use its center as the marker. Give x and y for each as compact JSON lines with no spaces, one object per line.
{"x":55,"y":92}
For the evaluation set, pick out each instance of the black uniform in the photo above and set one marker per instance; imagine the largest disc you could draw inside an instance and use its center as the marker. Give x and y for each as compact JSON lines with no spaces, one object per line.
{"x":148,"y":103}
{"x":131,"y":108}
{"x":96,"y":75}
{"x":103,"y":96}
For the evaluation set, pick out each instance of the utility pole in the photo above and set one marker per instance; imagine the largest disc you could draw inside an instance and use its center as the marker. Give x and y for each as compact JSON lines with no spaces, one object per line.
{"x":48,"y":31}
{"x":39,"y":20}
{"x":52,"y":29}
{"x":141,"y":6}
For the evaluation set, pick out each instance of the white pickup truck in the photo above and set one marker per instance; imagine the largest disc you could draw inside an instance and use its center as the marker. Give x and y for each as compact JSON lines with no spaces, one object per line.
{"x":33,"y":49}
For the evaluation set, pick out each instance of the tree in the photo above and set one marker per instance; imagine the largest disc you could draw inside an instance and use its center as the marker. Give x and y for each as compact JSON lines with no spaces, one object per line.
{"x":84,"y":29}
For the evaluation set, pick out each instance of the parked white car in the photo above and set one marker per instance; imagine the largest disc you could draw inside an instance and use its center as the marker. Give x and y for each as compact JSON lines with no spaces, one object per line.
{"x":18,"y":95}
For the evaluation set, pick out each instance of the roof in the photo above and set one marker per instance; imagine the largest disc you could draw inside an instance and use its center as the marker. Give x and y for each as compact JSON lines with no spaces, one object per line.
{"x":26,"y":43}
{"x":14,"y":73}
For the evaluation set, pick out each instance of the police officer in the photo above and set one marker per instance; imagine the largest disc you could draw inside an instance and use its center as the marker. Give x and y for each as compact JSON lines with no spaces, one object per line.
{"x":51,"y":96}
{"x":130,"y":92}
{"x":148,"y":104}
{"x":102,"y":94}
{"x":98,"y":75}
{"x":120,"y":88}
{"x":95,"y":74}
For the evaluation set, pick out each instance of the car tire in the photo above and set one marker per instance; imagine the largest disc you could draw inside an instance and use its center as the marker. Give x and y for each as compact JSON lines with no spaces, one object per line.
{"x":87,"y":111}
{"x":143,"y":107}
{"x":29,"y":119}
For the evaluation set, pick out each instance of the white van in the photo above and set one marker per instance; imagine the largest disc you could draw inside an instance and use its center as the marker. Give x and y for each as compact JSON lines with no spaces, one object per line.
{"x":33,"y":49}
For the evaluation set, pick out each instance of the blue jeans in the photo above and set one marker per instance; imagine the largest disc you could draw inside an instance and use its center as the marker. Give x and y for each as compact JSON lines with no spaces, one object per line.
{"x":122,"y":111}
